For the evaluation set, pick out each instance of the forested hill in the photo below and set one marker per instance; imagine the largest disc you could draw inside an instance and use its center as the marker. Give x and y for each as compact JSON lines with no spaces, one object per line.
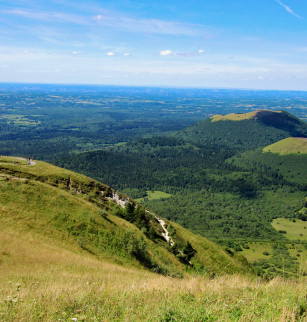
{"x":245,"y":131}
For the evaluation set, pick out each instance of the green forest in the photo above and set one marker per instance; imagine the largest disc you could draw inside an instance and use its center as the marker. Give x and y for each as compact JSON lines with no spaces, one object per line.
{"x":212,"y":194}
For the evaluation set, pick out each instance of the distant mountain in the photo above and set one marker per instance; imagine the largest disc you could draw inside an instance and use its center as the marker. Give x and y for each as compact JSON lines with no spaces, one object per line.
{"x":245,"y":131}
{"x":81,"y":215}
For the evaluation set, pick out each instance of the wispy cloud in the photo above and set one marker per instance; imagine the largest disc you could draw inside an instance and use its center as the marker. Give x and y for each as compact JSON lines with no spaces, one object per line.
{"x":186,"y":54}
{"x":114,"y":21}
{"x":288,"y":9}
{"x":169,"y":52}
{"x":149,"y":26}
{"x":48,"y":16}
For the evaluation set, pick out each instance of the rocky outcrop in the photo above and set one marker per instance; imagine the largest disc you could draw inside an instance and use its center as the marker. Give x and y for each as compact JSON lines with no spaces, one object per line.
{"x":118,"y":199}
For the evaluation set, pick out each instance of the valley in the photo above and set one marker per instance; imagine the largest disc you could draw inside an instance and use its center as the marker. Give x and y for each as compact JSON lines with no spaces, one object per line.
{"x":226,"y":193}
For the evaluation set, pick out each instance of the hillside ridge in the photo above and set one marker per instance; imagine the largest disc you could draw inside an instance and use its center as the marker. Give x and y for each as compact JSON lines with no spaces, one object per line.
{"x":44,"y":200}
{"x":242,"y":116}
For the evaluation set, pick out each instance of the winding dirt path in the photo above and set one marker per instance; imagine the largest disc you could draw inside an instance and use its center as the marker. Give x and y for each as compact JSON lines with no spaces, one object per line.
{"x":165,"y":233}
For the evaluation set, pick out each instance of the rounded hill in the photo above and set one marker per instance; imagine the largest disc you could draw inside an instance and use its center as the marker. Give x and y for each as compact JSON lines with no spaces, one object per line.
{"x":288,"y":146}
{"x":245,"y":131}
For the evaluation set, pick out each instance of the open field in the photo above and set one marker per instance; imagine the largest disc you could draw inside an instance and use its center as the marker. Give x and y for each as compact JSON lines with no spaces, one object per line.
{"x":256,"y":251}
{"x":20,"y":120}
{"x":155,"y":195}
{"x":288,"y":146}
{"x":295,"y":230}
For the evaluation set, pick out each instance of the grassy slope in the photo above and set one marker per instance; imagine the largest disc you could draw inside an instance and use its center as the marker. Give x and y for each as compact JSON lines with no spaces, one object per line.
{"x":47,"y":206}
{"x":41,"y":282}
{"x":45,"y":275}
{"x":288,"y":146}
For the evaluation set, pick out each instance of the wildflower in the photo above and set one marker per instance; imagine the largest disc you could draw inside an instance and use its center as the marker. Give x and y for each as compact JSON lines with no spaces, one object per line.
{"x":74,"y":319}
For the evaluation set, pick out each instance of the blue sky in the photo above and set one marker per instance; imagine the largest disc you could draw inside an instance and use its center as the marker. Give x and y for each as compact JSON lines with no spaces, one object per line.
{"x":209,"y":43}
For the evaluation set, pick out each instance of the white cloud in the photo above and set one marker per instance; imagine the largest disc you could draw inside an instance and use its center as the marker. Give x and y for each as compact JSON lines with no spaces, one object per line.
{"x":165,"y":52}
{"x":110,"y":53}
{"x":201,"y":51}
{"x":126,"y":54}
{"x":288,"y":9}
{"x":74,"y":52}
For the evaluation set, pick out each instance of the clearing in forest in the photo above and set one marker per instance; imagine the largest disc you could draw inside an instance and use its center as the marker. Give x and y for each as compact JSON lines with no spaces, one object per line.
{"x":155,"y":195}
{"x":294,"y":229}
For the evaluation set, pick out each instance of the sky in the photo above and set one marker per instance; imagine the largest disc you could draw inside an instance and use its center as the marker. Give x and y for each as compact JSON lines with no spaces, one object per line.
{"x":197,"y":43}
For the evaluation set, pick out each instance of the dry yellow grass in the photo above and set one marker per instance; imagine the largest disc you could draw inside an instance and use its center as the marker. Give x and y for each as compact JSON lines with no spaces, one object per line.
{"x":42,"y":282}
{"x":288,"y":146}
{"x":238,"y":117}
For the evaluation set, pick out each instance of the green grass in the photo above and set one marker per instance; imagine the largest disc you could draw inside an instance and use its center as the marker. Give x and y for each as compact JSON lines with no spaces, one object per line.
{"x":47,"y":276}
{"x":11,"y":160}
{"x":294,"y":229}
{"x":155,"y":195}
{"x":256,"y":251}
{"x":288,"y":146}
